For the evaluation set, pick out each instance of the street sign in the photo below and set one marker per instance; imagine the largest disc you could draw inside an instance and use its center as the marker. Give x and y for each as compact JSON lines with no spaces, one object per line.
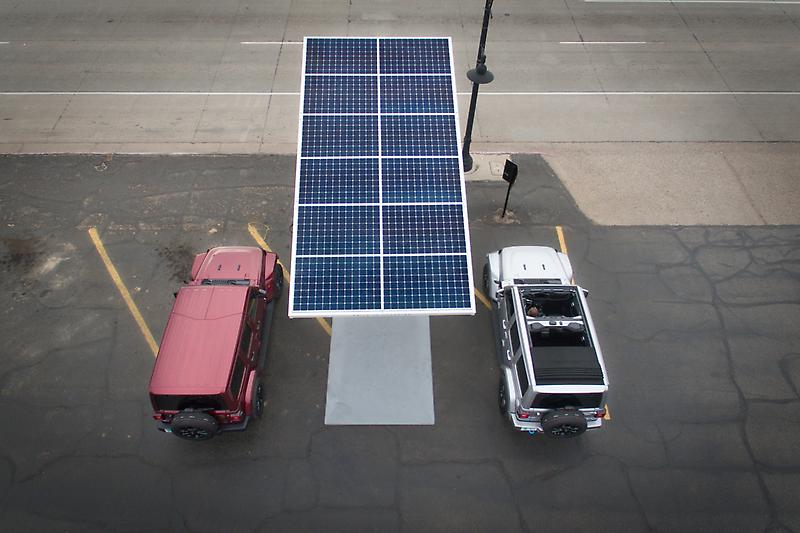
{"x":510,"y":175}
{"x":510,"y":172}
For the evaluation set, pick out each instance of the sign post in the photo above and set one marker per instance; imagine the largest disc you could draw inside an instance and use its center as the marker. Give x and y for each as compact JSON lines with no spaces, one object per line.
{"x":509,"y":175}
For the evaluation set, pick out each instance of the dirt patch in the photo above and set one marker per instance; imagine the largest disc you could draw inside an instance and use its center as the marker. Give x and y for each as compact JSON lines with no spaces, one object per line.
{"x":19,"y":255}
{"x":179,"y":258}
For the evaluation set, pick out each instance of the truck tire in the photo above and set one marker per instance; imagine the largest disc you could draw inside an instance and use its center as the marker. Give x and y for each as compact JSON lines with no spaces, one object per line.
{"x":194,"y":425}
{"x":258,"y":401}
{"x":564,"y":423}
{"x":277,"y":284}
{"x":502,"y":399}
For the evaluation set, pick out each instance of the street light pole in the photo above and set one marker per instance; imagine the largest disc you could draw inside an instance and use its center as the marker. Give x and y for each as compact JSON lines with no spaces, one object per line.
{"x":478,"y":76}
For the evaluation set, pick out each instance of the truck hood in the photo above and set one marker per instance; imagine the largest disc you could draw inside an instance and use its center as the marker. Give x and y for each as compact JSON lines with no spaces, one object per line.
{"x":534,"y":263}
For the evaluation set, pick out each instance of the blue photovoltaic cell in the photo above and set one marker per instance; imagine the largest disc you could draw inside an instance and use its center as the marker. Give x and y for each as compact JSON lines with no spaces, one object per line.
{"x":421,"y":180}
{"x":338,"y":230}
{"x":328,"y":181}
{"x":421,"y":229}
{"x":416,"y":94}
{"x":340,"y":135}
{"x":415,"y":56}
{"x":418,"y":135}
{"x":408,"y":282}
{"x":337,"y":283}
{"x":341,"y":94}
{"x":379,"y":228}
{"x":345,"y":56}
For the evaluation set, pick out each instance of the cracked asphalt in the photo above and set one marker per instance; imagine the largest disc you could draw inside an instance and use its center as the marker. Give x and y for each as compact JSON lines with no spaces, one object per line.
{"x":698,"y":326}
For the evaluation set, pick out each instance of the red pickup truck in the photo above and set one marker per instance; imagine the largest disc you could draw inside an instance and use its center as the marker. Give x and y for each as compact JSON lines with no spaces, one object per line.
{"x":207,"y":377}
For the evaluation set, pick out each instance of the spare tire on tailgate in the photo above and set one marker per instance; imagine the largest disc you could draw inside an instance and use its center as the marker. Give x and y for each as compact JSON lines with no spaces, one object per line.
{"x":194,"y":425}
{"x":564,"y":423}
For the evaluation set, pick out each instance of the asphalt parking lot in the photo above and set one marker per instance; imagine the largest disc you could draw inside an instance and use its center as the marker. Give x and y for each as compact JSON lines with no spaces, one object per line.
{"x":698,"y":326}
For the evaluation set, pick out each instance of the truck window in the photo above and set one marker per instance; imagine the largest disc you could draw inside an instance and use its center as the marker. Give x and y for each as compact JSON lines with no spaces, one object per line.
{"x":164,"y":402}
{"x":244,"y":345}
{"x":252,"y":308}
{"x":515,"y":340}
{"x":522,"y":375}
{"x":510,"y":307}
{"x":236,"y":379}
{"x":558,"y":401}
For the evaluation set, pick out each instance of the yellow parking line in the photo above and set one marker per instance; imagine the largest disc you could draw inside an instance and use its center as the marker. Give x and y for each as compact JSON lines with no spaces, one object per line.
{"x":123,"y":290}
{"x":563,"y":244}
{"x":484,"y":300}
{"x":262,"y":243}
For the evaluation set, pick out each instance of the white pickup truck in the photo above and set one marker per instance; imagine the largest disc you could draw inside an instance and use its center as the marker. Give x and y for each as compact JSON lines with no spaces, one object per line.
{"x":553,"y":379}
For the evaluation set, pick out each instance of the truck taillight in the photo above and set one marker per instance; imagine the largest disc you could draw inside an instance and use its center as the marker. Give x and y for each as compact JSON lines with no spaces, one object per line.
{"x":600,"y":413}
{"x":235,"y":418}
{"x":523,"y":414}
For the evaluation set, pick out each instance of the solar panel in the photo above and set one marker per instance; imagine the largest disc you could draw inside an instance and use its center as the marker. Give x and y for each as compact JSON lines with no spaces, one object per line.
{"x":380,"y":215}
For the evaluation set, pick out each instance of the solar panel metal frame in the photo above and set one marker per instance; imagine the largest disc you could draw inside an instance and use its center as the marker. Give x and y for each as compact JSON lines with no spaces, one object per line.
{"x":467,"y":255}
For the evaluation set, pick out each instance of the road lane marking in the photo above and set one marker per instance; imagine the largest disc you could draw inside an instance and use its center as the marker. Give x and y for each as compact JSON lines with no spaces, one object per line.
{"x":790,"y":2}
{"x":270,"y":42}
{"x":261,"y":242}
{"x":602,"y":42}
{"x":608,"y":413}
{"x":123,"y":290}
{"x":145,"y":93}
{"x":486,"y":93}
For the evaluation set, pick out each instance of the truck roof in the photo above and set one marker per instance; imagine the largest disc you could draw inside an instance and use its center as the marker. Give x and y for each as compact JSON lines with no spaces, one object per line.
{"x":200,"y":340}
{"x":566,"y":365}
{"x":231,"y":262}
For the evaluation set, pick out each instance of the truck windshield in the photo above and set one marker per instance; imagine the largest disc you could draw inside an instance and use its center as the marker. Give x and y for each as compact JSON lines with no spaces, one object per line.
{"x":225,"y":282}
{"x":164,"y":402}
{"x":557,"y":401}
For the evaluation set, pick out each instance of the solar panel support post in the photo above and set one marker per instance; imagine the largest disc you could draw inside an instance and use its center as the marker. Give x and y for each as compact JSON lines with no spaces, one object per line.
{"x":478,"y":76}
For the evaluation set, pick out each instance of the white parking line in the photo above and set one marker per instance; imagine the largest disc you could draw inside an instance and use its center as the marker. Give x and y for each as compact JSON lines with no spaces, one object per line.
{"x":485,"y":93}
{"x":270,"y":42}
{"x":602,"y":42}
{"x":794,"y":2}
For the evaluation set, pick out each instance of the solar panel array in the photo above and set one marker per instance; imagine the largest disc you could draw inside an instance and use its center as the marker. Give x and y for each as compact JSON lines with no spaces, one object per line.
{"x":380,"y":214}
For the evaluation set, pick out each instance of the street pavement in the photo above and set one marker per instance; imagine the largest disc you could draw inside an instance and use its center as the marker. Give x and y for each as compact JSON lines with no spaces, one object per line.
{"x":712,"y":90}
{"x":698,"y":327}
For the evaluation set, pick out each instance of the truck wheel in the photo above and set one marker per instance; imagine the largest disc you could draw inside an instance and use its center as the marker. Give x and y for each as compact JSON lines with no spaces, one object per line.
{"x":502,"y":399}
{"x":277,"y":284}
{"x":564,"y":423}
{"x":258,"y":405}
{"x":193,"y":425}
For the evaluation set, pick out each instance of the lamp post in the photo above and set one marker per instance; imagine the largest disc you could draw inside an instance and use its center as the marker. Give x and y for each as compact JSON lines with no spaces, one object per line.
{"x":478,"y":76}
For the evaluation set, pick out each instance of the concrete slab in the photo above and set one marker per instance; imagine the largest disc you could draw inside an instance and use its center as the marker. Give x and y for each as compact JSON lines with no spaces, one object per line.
{"x":380,"y":372}
{"x":487,"y":167}
{"x":681,"y":183}
{"x":30,"y":119}
{"x":129,"y":118}
{"x":154,"y":66}
{"x":238,"y":119}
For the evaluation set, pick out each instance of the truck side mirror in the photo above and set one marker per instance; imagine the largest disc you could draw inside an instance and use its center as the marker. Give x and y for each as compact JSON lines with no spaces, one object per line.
{"x":585,"y":293}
